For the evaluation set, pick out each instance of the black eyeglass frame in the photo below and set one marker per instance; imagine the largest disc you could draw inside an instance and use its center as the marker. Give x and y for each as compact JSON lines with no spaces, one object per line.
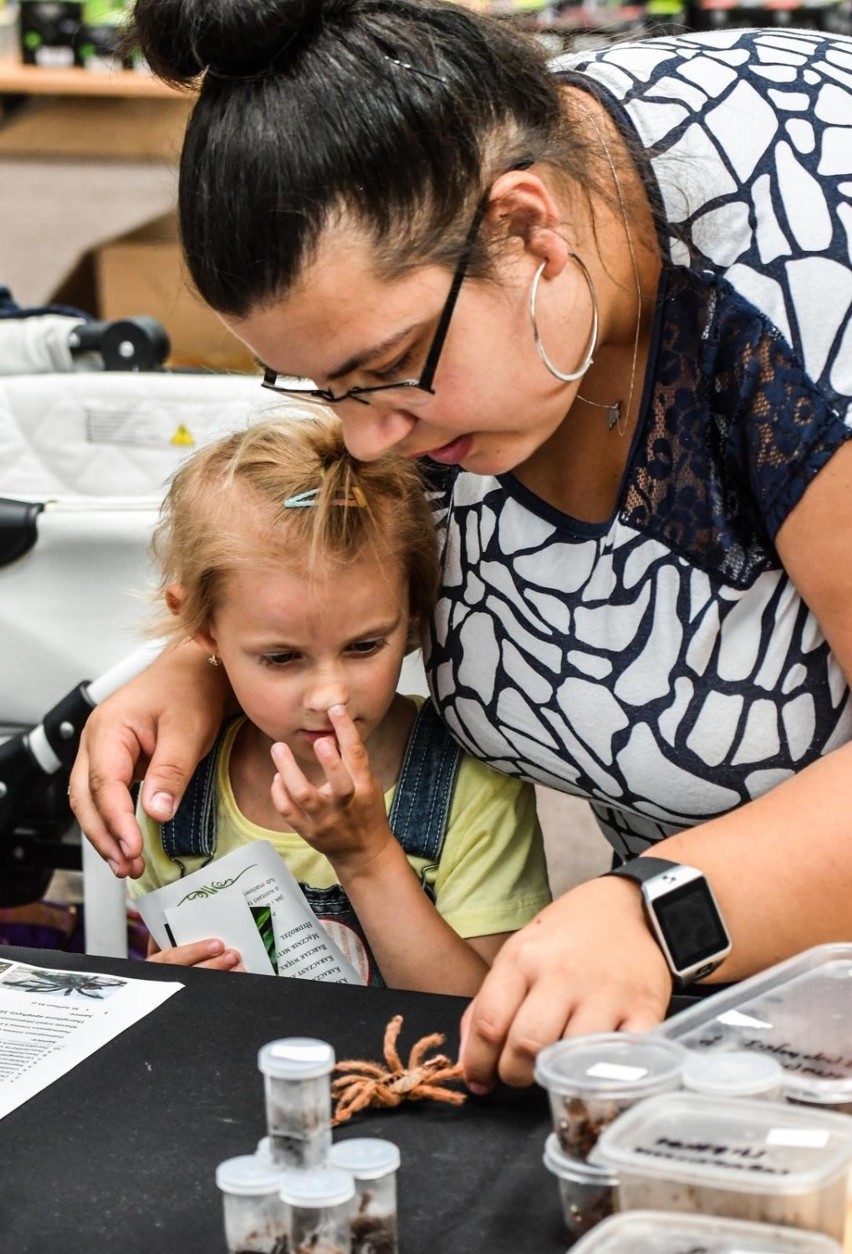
{"x":424,"y":383}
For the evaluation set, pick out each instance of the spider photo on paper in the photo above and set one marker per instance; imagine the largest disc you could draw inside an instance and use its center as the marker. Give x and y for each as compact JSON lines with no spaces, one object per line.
{"x":63,"y":984}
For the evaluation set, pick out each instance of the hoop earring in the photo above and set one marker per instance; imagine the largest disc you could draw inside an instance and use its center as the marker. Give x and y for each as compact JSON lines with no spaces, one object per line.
{"x":593,"y":338}
{"x":213,"y":660}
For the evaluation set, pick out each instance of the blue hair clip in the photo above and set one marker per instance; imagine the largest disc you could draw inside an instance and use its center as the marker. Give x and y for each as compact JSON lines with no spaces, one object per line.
{"x":303,"y":500}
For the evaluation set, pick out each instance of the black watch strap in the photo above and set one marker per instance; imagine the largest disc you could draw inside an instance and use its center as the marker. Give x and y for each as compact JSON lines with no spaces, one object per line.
{"x":643,"y":869}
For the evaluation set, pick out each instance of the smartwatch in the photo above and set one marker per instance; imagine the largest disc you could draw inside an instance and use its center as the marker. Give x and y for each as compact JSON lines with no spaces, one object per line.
{"x":682,"y":914}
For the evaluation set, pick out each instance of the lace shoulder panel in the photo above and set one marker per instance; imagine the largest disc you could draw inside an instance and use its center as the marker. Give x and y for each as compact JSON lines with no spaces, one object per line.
{"x":736,"y":432}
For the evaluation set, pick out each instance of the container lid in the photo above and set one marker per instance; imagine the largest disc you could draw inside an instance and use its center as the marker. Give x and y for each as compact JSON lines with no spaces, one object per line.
{"x":365,"y":1157}
{"x":611,"y":1064}
{"x":321,"y":1186}
{"x":661,"y":1232}
{"x":731,"y":1072}
{"x":730,"y":1143}
{"x":249,"y":1175}
{"x":296,"y":1058}
{"x":567,"y":1168}
{"x":798,"y":1012}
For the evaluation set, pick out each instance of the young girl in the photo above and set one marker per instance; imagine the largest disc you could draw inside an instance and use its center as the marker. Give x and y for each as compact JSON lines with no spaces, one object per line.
{"x":308,"y":576}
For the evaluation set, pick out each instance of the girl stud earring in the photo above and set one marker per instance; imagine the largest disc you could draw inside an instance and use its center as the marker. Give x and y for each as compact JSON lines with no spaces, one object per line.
{"x":213,"y":660}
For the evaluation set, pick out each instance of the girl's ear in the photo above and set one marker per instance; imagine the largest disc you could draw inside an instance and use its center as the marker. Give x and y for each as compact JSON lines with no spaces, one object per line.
{"x":414,"y":640}
{"x":174,"y":598}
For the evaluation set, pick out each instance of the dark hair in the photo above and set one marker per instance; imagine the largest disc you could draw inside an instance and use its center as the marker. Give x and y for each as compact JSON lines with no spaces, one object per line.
{"x":399,"y":113}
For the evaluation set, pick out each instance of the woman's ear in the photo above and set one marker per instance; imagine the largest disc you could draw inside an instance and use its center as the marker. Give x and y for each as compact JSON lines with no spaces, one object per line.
{"x":522,"y":207}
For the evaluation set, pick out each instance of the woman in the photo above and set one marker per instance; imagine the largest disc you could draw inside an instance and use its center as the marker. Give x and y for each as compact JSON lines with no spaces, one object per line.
{"x":613,"y":302}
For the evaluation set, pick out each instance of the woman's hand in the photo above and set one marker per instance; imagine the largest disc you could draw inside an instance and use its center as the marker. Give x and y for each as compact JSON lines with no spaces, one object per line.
{"x":586,"y":963}
{"x":210,"y":954}
{"x":344,"y":818}
{"x":160,"y":724}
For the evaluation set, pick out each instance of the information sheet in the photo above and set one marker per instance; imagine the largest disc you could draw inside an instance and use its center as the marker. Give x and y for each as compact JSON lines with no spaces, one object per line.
{"x":51,"y":1020}
{"x":250,"y":900}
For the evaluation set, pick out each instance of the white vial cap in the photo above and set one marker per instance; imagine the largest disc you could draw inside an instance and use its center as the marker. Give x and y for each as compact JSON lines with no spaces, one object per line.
{"x":249,"y":1176}
{"x":365,"y":1157}
{"x":321,"y":1186}
{"x":296,"y":1058}
{"x":731,"y":1073}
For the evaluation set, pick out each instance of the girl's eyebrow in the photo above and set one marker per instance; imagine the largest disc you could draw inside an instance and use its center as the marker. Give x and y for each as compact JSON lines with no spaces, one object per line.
{"x":354,"y":362}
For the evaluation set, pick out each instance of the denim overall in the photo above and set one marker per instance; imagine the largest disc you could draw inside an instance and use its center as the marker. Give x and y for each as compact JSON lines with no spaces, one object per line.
{"x":418,"y":816}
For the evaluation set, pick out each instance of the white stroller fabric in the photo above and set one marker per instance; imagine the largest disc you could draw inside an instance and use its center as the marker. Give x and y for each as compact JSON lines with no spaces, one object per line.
{"x":96,"y":450}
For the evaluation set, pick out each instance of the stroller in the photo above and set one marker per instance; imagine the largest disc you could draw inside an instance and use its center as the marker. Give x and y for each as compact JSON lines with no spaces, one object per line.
{"x":91,"y":427}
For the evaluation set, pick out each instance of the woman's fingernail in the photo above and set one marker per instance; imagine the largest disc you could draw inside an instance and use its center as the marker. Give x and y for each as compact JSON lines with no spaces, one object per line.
{"x":124,"y":850}
{"x":164,"y":804}
{"x":113,"y":866}
{"x":215,"y":947}
{"x":231,"y":958}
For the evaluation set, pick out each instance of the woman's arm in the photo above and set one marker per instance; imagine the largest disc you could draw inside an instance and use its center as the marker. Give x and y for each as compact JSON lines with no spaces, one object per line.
{"x":164,"y":720}
{"x":780,"y":866}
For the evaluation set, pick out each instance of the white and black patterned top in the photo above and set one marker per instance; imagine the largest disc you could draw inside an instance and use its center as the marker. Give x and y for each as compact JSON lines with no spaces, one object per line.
{"x":662,"y":664}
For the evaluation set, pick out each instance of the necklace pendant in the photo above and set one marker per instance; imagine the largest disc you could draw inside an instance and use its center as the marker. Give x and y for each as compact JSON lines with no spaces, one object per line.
{"x":613,"y":417}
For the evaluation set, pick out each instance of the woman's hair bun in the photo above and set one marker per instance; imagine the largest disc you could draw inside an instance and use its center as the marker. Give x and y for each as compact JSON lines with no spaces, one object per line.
{"x":231,"y":38}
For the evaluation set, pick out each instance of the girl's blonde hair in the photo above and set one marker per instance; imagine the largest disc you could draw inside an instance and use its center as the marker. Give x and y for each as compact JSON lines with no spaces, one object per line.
{"x":227,"y":508}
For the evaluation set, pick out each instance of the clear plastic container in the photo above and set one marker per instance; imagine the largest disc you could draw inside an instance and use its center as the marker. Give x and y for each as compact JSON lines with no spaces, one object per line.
{"x":798,"y":1012}
{"x":592,"y":1079}
{"x":587,"y":1192}
{"x":319,"y":1206}
{"x":733,"y":1073}
{"x":255,"y":1218}
{"x":767,"y":1162}
{"x":655,"y":1232}
{"x":373,"y":1164}
{"x":297,"y":1084}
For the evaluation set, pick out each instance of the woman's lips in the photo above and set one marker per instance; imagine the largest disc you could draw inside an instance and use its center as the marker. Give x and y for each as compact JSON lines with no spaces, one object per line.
{"x":451,"y":454}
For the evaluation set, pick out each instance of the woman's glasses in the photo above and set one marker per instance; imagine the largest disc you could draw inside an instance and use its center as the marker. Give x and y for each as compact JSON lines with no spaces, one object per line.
{"x":306,"y":388}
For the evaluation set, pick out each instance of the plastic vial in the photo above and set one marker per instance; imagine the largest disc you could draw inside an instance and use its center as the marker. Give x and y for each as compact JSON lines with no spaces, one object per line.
{"x":255,"y":1216}
{"x":319,"y":1205}
{"x":297,"y":1084}
{"x":373,"y":1164}
{"x":733,"y":1073}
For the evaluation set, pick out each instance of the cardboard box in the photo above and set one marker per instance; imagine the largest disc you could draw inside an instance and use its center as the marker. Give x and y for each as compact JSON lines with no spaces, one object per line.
{"x":142,"y":272}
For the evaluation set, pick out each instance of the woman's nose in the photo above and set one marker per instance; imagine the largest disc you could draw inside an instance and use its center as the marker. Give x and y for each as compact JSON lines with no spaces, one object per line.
{"x":370,"y":430}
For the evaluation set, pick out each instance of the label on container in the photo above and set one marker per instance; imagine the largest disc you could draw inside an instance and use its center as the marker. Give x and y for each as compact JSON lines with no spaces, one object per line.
{"x":736,"y":1019}
{"x":615,"y":1071}
{"x":800,"y":1138}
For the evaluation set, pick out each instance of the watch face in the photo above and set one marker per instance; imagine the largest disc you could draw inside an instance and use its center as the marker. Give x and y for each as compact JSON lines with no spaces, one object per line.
{"x":690,"y":923}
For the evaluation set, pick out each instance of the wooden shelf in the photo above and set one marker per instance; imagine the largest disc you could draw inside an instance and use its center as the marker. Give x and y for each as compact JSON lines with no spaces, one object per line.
{"x":33,"y":80}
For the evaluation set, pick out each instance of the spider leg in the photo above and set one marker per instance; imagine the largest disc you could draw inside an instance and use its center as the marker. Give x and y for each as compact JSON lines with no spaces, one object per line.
{"x":436,"y":1094}
{"x":389,"y":1049}
{"x":370,"y":1069}
{"x":420,"y":1047}
{"x":351,"y":1103}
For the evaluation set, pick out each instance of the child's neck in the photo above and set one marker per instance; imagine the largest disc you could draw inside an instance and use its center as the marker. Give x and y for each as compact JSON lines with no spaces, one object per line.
{"x":251,"y":768}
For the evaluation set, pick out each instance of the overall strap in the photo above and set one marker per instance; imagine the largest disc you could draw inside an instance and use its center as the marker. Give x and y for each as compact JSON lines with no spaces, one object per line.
{"x":191,"y":833}
{"x":424,"y":792}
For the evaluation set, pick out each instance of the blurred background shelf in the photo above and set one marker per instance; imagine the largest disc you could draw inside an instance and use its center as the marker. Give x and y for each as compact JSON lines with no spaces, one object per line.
{"x":36,"y":80}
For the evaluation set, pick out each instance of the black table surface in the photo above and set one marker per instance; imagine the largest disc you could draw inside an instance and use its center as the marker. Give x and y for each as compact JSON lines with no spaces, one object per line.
{"x":119,"y":1155}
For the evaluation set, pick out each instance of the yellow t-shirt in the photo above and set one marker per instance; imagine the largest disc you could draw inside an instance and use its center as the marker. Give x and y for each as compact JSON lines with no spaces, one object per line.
{"x":491,"y":877}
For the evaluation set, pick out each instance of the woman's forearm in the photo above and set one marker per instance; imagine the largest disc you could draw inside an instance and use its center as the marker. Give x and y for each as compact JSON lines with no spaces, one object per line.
{"x":780,"y":866}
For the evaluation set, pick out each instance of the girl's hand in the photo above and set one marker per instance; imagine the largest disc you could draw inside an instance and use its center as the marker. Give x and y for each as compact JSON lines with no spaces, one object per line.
{"x":165,"y":719}
{"x":211,"y":954}
{"x":345,"y":817}
{"x":586,"y":963}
